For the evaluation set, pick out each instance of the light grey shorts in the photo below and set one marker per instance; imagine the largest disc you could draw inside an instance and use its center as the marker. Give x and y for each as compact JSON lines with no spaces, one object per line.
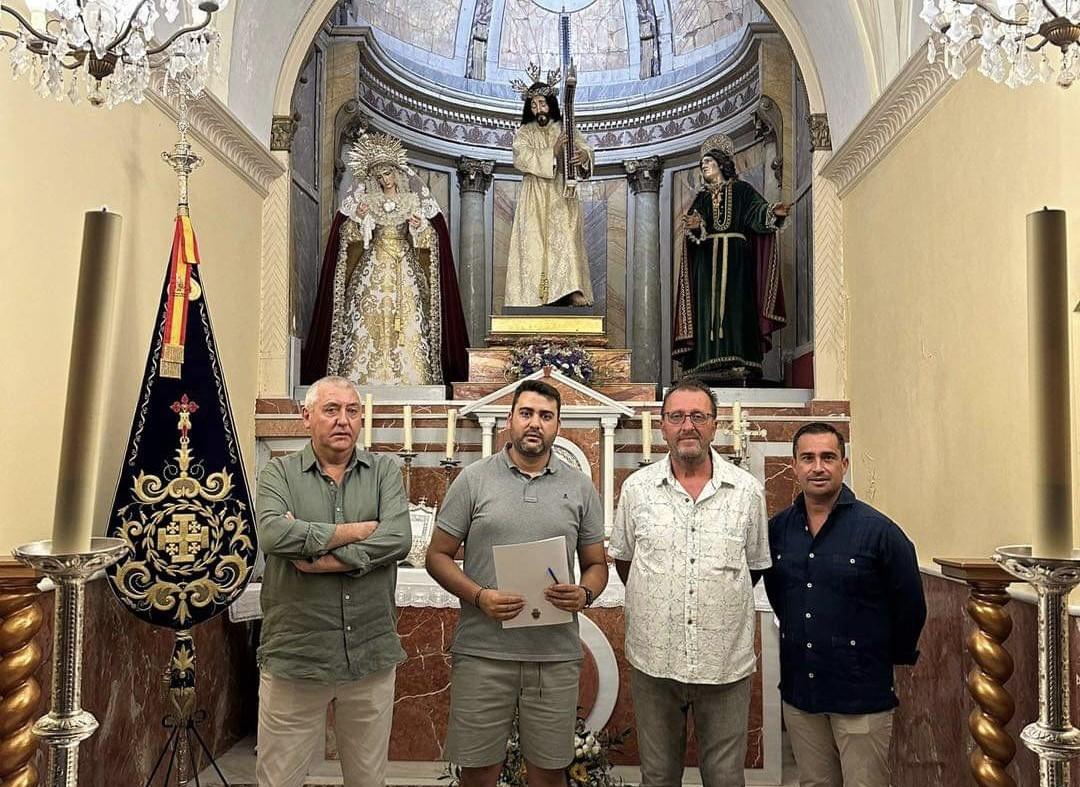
{"x":484,"y":693}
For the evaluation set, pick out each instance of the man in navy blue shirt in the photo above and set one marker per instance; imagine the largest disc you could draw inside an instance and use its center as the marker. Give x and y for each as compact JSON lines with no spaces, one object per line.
{"x":845,"y":586}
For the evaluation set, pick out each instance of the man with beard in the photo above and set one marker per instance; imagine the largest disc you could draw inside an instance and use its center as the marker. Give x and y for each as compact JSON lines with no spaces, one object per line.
{"x":845,"y":586}
{"x":547,"y":262}
{"x":689,"y":533}
{"x":523,"y":493}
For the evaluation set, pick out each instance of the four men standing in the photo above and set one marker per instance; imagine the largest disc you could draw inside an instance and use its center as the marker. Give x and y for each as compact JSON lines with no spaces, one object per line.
{"x":689,"y":541}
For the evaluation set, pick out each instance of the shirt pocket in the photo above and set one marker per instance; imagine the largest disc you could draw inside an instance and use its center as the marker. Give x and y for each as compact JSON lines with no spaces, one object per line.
{"x":653,"y":550}
{"x":853,"y":573}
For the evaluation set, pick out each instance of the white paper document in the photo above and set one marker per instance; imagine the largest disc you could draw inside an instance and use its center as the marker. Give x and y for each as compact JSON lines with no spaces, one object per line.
{"x":526,"y":569}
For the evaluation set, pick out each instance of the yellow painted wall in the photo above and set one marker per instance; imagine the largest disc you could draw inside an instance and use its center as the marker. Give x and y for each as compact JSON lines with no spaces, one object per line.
{"x":57,"y":161}
{"x":934,"y":251}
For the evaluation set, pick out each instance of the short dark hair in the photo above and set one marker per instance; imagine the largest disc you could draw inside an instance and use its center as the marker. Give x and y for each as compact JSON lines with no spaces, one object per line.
{"x":817,"y":427}
{"x":547,"y":390}
{"x":527,"y":115}
{"x":691,"y":384}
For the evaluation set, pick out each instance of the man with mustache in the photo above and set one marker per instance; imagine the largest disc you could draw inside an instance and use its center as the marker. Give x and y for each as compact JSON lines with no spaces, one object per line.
{"x":845,"y":586}
{"x":547,"y":263}
{"x":689,"y":533}
{"x":523,"y":493}
{"x":333,"y":523}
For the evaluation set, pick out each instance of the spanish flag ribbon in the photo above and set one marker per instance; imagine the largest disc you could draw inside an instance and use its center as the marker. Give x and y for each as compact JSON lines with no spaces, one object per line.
{"x":182,"y":289}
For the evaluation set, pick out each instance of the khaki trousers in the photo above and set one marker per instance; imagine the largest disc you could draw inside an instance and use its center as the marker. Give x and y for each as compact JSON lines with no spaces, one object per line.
{"x":838,"y":749}
{"x":292,"y":729}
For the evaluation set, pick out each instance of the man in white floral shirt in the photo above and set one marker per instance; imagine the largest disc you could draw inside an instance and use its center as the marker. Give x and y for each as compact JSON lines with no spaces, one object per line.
{"x":689,"y":531}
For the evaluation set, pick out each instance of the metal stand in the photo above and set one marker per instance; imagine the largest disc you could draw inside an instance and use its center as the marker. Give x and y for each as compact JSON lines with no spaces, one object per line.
{"x":448,"y":466}
{"x":179,"y":749}
{"x":407,"y":457}
{"x":66,"y":725}
{"x":1053,"y":737}
{"x":644,"y":462}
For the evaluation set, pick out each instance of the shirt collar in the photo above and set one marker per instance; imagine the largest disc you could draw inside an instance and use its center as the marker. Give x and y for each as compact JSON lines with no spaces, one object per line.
{"x":308,"y":460}
{"x":846,"y":498}
{"x":551,"y":467}
{"x":719,"y":470}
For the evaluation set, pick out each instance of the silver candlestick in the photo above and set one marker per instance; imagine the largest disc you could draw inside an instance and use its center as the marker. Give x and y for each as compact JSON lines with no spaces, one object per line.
{"x":1052,"y":737}
{"x":66,"y":725}
{"x":407,"y":458}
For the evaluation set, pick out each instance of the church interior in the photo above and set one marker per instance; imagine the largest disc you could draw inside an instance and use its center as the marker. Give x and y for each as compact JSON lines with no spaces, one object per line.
{"x":900,"y":306}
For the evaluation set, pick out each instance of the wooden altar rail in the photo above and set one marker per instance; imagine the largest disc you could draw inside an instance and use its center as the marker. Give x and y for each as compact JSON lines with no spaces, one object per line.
{"x":21,"y":616}
{"x":992,"y":667}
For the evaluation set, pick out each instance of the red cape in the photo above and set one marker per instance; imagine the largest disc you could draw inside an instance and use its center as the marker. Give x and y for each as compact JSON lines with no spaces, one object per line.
{"x":455,"y":339}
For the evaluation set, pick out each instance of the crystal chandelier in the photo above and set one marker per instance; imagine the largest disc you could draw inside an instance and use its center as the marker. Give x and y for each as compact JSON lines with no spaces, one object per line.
{"x":108,"y":48}
{"x":1013,"y":37}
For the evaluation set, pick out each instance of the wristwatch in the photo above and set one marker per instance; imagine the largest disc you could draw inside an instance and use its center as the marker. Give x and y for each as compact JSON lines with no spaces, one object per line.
{"x":588,"y":596}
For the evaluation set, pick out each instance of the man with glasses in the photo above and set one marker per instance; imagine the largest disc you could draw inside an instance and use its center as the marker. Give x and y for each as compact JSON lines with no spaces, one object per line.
{"x":688,"y":532}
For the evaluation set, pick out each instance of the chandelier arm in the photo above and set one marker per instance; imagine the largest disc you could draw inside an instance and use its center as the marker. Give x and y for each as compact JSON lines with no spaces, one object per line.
{"x":1043,"y":43}
{"x":22,"y":21}
{"x":1051,"y":9}
{"x":168,"y":42}
{"x":127,"y":27}
{"x":985,"y":7}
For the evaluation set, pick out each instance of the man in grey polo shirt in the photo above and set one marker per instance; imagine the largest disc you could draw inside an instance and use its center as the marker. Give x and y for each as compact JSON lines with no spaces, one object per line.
{"x":523,"y":493}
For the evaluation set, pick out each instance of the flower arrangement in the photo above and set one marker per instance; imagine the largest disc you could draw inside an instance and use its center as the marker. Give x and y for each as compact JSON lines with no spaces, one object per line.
{"x":589,"y":768}
{"x":563,"y":356}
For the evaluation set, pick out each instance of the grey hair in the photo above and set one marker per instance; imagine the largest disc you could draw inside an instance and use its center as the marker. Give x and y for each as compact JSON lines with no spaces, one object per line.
{"x":312,"y":394}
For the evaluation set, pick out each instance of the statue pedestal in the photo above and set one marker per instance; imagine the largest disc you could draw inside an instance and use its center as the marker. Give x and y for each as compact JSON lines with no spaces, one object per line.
{"x":488,"y":364}
{"x":552,"y":323}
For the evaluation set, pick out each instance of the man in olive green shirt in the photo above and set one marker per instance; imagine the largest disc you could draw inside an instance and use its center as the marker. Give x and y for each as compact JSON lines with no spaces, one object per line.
{"x":333,"y":522}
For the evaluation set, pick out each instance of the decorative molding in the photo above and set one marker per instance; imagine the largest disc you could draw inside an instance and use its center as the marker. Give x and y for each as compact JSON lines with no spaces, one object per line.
{"x":274,"y":289}
{"x":282,"y":130}
{"x":916,"y":89}
{"x":820,"y":138}
{"x":474,"y":175}
{"x":214,"y":126}
{"x":644,"y":174}
{"x":830,"y":291}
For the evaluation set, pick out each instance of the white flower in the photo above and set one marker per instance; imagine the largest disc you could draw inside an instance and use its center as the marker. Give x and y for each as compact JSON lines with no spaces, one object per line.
{"x":389,"y":206}
{"x":578,"y":752}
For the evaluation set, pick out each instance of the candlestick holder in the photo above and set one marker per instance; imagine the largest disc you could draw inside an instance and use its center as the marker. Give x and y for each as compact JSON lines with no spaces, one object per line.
{"x":1053,"y":738}
{"x":448,"y":466}
{"x":66,"y":725}
{"x":407,"y":458}
{"x":644,"y":462}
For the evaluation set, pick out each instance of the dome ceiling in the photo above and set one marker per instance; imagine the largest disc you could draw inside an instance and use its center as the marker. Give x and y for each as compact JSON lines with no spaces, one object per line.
{"x":622,"y":48}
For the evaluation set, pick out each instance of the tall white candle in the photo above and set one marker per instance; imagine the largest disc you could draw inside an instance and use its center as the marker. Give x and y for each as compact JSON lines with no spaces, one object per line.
{"x":1048,"y":381}
{"x":407,"y":415}
{"x":451,"y":426}
{"x":736,"y":427}
{"x":80,"y":445}
{"x":369,"y":415}
{"x":646,"y":435}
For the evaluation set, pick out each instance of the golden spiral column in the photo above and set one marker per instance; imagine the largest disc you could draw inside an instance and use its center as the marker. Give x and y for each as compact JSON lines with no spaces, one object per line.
{"x":21,"y":617}
{"x":992,"y":667}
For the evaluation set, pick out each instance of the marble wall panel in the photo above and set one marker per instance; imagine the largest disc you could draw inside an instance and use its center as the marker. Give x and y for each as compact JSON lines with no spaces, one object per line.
{"x":504,"y":198}
{"x":123,"y":659}
{"x":438,"y":182}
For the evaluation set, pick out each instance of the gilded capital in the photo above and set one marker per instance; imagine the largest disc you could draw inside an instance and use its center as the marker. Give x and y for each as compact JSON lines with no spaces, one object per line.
{"x":820,"y":138}
{"x":474,"y":175}
{"x":643,"y":174}
{"x":282,"y":131}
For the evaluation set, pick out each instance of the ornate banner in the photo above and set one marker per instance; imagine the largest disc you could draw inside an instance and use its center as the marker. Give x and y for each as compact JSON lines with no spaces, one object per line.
{"x":182,"y":500}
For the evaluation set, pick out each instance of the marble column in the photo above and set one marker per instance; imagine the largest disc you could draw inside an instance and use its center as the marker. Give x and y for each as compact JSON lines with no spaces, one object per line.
{"x":487,"y":434}
{"x":608,"y":471}
{"x":474,"y":179}
{"x":645,"y":356}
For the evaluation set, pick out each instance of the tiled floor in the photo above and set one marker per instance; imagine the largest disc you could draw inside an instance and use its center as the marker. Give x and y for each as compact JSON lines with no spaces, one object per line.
{"x":238,"y":767}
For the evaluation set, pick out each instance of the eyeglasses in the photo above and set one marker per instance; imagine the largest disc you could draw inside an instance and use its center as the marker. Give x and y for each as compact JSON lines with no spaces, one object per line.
{"x":696,"y":418}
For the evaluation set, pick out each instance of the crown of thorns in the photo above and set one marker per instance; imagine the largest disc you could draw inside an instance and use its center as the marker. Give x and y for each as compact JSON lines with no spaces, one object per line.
{"x":526,"y":89}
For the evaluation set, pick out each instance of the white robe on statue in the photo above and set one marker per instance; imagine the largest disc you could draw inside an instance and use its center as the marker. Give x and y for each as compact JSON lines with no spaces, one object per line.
{"x":547,"y":241}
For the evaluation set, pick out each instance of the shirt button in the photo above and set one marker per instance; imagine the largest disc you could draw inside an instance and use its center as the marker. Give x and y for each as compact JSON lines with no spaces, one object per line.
{"x":693,"y":530}
{"x":779,"y":556}
{"x":852,"y":643}
{"x":347,"y":597}
{"x":852,"y":561}
{"x":691,"y":560}
{"x":808,"y":584}
{"x":811,"y":554}
{"x":807,"y":614}
{"x":811,"y":675}
{"x":689,"y":622}
{"x":809,"y":644}
{"x":348,"y":628}
{"x":691,"y":591}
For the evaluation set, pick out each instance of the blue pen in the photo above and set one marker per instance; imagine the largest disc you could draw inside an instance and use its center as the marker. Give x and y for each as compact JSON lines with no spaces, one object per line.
{"x":551,"y":574}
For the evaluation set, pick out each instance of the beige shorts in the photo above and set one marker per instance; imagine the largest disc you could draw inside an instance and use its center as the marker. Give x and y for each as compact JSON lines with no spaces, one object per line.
{"x":484,"y":693}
